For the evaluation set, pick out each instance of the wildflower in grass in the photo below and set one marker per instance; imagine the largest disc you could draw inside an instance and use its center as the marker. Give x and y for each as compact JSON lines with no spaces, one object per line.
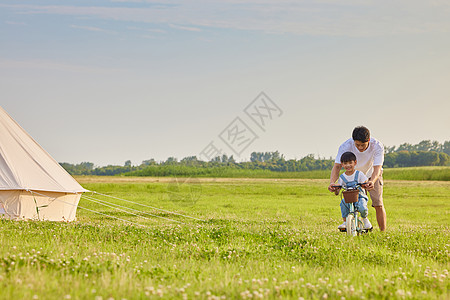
{"x":400,"y":293}
{"x":35,"y":297}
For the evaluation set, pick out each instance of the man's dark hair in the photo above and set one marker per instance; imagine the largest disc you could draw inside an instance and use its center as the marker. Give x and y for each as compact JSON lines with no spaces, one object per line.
{"x":361,"y":134}
{"x":348,"y":156}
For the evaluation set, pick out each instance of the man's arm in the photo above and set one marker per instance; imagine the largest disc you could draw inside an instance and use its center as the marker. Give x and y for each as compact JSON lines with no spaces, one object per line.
{"x":334,"y":176}
{"x":375,"y":176}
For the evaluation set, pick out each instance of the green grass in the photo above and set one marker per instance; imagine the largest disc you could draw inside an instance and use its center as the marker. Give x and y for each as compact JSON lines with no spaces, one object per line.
{"x":418,"y":173}
{"x":271,"y":239}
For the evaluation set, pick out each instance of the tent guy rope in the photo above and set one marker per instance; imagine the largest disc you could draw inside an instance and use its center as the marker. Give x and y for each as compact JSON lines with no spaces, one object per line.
{"x":148,"y":206}
{"x":124,"y":209}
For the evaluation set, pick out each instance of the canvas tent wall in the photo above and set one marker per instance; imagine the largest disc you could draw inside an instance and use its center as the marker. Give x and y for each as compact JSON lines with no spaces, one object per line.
{"x":32,"y":184}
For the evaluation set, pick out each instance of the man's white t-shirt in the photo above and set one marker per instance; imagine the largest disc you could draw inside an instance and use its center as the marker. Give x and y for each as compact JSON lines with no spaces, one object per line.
{"x":372,"y":156}
{"x":361,"y":178}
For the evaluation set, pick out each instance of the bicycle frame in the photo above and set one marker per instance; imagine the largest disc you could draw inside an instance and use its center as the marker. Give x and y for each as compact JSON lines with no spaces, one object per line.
{"x":354,"y":224}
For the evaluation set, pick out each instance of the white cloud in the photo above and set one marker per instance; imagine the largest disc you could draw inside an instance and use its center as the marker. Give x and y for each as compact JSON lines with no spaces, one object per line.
{"x":90,"y":28}
{"x":184,"y":28}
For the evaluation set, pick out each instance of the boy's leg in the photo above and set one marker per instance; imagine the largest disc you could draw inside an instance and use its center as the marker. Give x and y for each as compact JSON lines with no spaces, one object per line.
{"x":361,"y":206}
{"x":345,"y":210}
{"x":377,"y":202}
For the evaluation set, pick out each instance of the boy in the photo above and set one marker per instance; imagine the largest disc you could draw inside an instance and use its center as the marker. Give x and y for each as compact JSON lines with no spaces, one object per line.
{"x":350,"y":178}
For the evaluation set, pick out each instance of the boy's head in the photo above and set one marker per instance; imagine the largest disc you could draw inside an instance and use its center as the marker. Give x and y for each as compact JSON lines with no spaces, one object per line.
{"x":361,"y":138}
{"x":348,"y":157}
{"x":348,"y":161}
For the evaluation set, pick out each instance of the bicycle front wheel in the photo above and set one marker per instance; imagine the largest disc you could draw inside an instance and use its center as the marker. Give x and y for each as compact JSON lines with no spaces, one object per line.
{"x":350,"y":223}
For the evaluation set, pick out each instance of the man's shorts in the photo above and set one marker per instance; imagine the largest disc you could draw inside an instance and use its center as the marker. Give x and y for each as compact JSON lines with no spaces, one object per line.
{"x":377,"y":193}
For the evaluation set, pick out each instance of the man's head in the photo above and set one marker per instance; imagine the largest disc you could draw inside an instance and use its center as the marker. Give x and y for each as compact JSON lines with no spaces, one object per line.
{"x":348,"y":161}
{"x":361,"y":137}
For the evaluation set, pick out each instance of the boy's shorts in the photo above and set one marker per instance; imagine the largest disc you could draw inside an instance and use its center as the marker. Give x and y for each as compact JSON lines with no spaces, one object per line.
{"x":377,"y":193}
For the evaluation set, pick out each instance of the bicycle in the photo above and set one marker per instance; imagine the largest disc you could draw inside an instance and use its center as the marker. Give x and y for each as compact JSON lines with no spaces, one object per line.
{"x":353,"y":223}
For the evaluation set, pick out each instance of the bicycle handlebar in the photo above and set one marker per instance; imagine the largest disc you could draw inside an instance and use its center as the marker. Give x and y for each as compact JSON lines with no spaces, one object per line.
{"x":341,"y":186}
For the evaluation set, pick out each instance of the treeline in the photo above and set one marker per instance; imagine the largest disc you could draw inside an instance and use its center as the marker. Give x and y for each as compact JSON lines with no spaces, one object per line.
{"x":426,"y":153}
{"x":426,"y":145}
{"x":192,"y":166}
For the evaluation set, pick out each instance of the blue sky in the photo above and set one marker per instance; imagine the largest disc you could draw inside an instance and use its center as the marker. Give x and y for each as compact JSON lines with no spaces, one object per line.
{"x":108,"y":81}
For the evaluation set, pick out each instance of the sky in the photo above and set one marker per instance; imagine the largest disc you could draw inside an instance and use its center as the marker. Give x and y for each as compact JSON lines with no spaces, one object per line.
{"x":110,"y":81}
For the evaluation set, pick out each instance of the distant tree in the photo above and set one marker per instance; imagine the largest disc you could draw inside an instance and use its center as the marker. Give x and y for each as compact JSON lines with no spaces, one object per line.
{"x":426,"y":158}
{"x":224,"y":158}
{"x":390,"y":159}
{"x":388,"y":149}
{"x":405,"y":147}
{"x":423,"y":146}
{"x":148,"y":162}
{"x":189,"y":158}
{"x":404,"y":158}
{"x":216,"y":159}
{"x":256,"y":156}
{"x":87,"y":165}
{"x":436,"y":146}
{"x":444,"y":159}
{"x":127,"y":163}
{"x":171,"y":161}
{"x":446,"y":147}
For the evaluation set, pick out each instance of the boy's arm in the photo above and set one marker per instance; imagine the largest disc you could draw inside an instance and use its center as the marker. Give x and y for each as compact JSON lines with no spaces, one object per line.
{"x":334,"y":176}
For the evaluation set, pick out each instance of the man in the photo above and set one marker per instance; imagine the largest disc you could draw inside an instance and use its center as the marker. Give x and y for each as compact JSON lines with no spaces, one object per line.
{"x":370,"y":157}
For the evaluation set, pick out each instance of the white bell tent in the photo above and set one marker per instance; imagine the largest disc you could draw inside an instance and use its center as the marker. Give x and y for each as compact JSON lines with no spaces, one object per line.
{"x":32,"y":184}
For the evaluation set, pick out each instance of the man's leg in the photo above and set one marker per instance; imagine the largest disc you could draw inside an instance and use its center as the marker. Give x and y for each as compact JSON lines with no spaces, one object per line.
{"x":377,"y":202}
{"x":381,"y":217}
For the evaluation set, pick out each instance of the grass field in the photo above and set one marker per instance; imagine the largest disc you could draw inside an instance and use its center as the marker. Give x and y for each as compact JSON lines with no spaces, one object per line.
{"x":411,"y":173}
{"x":261,"y":239}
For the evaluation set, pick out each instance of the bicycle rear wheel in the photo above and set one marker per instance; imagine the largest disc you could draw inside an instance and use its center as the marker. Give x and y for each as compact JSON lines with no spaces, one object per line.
{"x":360,"y":226}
